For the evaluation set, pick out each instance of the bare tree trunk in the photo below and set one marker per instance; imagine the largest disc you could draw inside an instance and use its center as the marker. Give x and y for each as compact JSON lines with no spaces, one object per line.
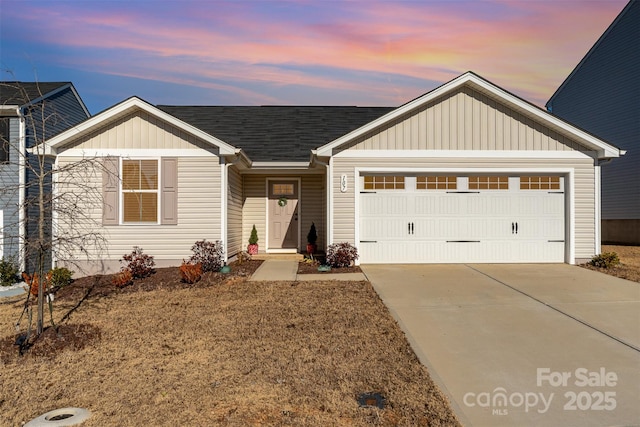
{"x":41,"y":237}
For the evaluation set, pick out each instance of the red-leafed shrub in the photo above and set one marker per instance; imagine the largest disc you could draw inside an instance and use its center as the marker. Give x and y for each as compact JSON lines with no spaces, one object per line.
{"x":122,"y":278}
{"x":138,"y":263}
{"x":190,"y":273}
{"x":208,"y":254}
{"x":341,"y":254}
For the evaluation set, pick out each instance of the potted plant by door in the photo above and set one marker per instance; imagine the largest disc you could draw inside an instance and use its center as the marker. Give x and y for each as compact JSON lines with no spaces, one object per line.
{"x":253,"y":241}
{"x":312,"y":237}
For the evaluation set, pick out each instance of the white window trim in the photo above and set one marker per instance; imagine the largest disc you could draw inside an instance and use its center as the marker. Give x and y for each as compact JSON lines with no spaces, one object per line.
{"x":122,"y":192}
{"x":1,"y":233}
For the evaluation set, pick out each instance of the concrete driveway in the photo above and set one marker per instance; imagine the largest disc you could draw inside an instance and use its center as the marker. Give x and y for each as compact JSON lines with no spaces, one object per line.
{"x":526,"y":344}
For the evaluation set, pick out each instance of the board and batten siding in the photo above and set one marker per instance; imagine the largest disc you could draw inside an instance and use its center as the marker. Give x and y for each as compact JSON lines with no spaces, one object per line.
{"x":465,"y":119}
{"x":234,"y":212}
{"x":198,"y":218}
{"x":140,"y":130}
{"x":312,"y":203}
{"x":584,"y":175}
{"x":9,"y":193}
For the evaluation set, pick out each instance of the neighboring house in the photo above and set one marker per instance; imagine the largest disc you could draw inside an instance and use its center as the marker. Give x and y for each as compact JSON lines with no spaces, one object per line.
{"x":29,"y":113}
{"x":465,"y":173}
{"x":602,"y":95}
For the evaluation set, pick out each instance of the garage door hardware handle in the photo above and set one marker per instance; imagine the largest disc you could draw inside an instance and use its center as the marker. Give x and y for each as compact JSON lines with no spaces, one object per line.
{"x":555,"y":192}
{"x":368,"y":192}
{"x":463,"y":241}
{"x":514,"y":228}
{"x":555,"y":241}
{"x":368,"y":241}
{"x":410,"y":228}
{"x":463,"y":192}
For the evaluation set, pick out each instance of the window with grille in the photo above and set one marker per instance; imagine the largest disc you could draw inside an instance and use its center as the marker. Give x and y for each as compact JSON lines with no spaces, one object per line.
{"x":383,"y":182}
{"x":282,"y":190}
{"x":436,"y":182}
{"x":4,"y":140}
{"x":140,"y":190}
{"x":540,"y":183}
{"x":488,"y":183}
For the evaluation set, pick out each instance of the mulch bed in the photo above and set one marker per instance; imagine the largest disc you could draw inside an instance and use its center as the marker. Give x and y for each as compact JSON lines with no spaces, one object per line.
{"x":162,"y":278}
{"x":75,"y":337}
{"x":312,"y":268}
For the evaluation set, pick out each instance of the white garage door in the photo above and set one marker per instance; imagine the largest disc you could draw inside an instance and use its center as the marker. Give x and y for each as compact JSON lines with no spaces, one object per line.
{"x":459,"y":219}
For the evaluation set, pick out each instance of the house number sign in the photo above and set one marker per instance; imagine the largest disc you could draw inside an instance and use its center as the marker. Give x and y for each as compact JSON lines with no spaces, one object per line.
{"x":343,"y":184}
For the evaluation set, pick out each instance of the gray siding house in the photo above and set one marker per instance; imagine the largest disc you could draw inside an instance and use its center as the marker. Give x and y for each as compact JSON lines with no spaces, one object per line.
{"x":602,"y":96}
{"x":467,"y":172}
{"x":30,"y":113}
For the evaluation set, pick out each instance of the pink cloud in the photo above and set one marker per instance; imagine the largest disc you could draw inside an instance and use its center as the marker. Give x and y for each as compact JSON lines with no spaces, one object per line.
{"x":528,"y":47}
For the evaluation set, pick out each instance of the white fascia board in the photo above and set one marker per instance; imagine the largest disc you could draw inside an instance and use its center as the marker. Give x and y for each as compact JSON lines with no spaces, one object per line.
{"x":326,"y":150}
{"x":10,"y":110}
{"x":126,"y":107}
{"x":280,"y":165}
{"x":604,"y":150}
{"x":134,"y":152}
{"x":473,"y":154}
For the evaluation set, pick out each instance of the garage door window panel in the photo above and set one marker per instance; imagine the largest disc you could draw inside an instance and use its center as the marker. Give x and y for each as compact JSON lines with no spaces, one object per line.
{"x":383,"y":182}
{"x":488,"y":182}
{"x":540,"y":183}
{"x":436,"y":182}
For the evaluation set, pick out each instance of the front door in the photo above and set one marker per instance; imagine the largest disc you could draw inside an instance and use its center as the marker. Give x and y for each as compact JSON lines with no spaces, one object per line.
{"x":283,"y":214}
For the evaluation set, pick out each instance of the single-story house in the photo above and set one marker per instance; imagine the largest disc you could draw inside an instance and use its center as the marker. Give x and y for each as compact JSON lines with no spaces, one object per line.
{"x":465,"y":173}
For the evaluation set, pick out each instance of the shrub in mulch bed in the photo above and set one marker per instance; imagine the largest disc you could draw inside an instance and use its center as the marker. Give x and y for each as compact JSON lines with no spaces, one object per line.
{"x":161,"y":278}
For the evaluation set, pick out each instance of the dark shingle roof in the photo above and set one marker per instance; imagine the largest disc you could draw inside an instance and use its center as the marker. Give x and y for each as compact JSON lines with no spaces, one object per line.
{"x":276,"y":133}
{"x":20,"y":93}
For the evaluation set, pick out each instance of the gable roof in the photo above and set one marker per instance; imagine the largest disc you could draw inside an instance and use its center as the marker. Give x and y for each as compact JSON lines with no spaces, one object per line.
{"x":276,"y":133}
{"x":632,"y":4}
{"x":476,"y":82}
{"x":22,"y":93}
{"x":124,"y":108}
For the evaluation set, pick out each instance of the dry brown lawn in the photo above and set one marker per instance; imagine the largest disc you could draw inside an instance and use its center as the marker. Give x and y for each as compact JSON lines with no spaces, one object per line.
{"x":629,"y":267}
{"x":225,"y":351}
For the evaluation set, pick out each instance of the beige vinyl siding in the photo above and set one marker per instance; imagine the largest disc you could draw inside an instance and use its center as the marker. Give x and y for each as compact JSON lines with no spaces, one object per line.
{"x":344,"y":203}
{"x":139,"y":130}
{"x":313,"y":209}
{"x":312,"y":203}
{"x":198,"y":216}
{"x":234,"y":212}
{"x":464,"y":120}
{"x":254,"y":209}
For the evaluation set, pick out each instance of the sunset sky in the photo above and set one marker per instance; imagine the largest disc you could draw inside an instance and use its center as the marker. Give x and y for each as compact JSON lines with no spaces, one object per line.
{"x":298,"y":52}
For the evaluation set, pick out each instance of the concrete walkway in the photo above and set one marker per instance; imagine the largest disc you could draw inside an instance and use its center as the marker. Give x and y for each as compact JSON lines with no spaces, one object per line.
{"x":287,"y":270}
{"x":552,"y":345}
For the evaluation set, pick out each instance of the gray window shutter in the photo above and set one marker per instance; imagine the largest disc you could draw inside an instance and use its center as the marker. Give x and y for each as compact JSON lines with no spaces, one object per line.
{"x":169,"y":198}
{"x":110,"y":193}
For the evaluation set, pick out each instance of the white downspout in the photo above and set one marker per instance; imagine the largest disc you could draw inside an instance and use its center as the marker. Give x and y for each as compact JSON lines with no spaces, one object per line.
{"x":223,"y":206}
{"x":22,"y":149}
{"x":54,"y":212}
{"x":598,"y":207}
{"x":330,"y":202}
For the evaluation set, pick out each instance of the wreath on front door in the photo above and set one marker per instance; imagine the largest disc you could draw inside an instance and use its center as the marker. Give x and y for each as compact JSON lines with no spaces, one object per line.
{"x":282,"y":201}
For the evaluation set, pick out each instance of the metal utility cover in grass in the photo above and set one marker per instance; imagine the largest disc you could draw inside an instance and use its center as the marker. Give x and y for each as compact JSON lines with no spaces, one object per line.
{"x":371,"y":400}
